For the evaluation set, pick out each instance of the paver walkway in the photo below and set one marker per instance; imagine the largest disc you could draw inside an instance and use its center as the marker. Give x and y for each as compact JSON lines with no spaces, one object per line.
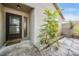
{"x":67,"y":47}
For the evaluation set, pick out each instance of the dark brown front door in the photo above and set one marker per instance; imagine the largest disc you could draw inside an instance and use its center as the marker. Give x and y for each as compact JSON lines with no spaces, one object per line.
{"x":13,"y":26}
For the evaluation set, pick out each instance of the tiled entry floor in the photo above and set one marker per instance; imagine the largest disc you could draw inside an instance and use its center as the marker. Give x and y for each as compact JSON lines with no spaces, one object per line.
{"x":67,"y":47}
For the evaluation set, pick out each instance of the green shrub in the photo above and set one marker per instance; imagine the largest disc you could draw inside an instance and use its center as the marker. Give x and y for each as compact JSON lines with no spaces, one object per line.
{"x":49,"y":30}
{"x":76,"y":29}
{"x":71,"y":24}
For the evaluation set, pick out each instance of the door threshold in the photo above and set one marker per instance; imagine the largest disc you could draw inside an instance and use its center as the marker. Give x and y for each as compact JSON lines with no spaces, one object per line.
{"x":11,"y":42}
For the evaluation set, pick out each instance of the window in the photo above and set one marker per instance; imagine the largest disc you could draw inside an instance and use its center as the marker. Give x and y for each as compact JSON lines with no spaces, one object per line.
{"x":14,"y":25}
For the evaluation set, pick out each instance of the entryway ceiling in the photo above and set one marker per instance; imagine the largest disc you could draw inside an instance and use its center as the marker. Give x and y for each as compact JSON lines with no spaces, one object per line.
{"x":18,"y":6}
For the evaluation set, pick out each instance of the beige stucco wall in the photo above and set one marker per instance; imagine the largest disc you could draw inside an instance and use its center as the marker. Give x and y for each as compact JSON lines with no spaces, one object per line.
{"x":66,"y":28}
{"x":2,"y":29}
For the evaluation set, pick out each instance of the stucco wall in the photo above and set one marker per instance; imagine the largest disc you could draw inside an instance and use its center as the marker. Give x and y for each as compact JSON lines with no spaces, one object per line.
{"x":66,"y":28}
{"x":2,"y":29}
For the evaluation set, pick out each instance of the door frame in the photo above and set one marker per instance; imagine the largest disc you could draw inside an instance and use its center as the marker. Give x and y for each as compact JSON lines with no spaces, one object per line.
{"x":28,"y":27}
{"x":7,"y":26}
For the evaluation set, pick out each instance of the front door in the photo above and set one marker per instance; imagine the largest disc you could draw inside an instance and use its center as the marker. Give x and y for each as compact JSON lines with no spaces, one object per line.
{"x":13,"y":26}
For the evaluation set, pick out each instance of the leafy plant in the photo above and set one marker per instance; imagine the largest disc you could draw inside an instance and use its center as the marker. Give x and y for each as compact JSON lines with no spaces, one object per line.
{"x":71,"y":24}
{"x":49,"y":30}
{"x":76,"y":29}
